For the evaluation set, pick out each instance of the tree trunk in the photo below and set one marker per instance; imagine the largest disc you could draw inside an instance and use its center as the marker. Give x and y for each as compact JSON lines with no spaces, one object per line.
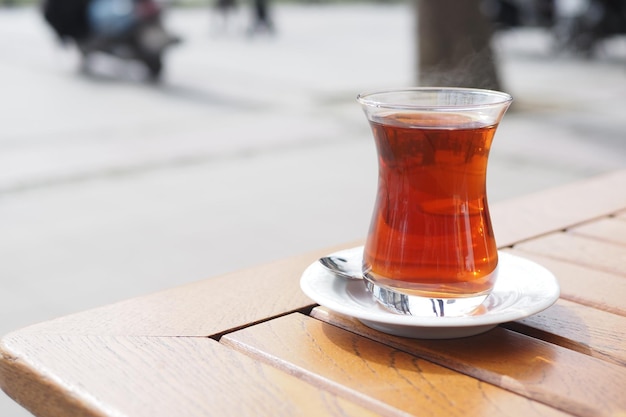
{"x":454,"y":45}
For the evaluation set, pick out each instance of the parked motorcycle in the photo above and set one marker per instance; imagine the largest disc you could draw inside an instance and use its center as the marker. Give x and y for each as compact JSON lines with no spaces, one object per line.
{"x":126,"y":29}
{"x":509,"y":14}
{"x":583,"y":24}
{"x":576,"y":25}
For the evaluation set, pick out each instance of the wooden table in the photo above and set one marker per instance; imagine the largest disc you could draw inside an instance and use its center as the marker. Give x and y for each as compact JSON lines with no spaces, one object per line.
{"x":251,"y":343}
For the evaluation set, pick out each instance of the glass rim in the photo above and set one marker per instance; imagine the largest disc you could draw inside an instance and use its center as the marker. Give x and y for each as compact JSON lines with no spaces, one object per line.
{"x":368,"y":98}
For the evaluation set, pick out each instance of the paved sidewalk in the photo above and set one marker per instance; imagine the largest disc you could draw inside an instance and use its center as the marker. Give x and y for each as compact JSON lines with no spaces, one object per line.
{"x":253,"y":149}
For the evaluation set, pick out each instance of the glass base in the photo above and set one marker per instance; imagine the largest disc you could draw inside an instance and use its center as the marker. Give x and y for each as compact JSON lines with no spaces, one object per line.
{"x":424,"y":306}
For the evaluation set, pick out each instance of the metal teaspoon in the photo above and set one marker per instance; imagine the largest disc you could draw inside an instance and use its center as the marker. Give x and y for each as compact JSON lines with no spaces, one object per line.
{"x":345,"y":264}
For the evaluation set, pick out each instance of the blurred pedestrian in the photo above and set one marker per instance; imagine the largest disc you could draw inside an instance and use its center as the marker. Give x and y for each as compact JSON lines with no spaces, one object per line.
{"x":261,"y":20}
{"x":225,"y":11}
{"x":225,"y":7}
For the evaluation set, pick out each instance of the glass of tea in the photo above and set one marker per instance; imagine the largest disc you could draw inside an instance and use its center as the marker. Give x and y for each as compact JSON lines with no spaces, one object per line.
{"x":430,"y":250}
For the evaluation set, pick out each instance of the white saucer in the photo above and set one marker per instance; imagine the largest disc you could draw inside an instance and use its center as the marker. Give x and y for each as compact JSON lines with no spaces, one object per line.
{"x":523,"y":288}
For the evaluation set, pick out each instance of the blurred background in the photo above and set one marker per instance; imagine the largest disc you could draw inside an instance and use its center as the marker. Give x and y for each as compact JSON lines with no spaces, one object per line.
{"x":227,"y":134}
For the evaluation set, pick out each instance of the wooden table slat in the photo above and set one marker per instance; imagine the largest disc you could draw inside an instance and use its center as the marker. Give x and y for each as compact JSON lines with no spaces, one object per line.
{"x":155,"y":377}
{"x":579,"y":250}
{"x":341,"y":360}
{"x":555,"y":209}
{"x":578,"y":327}
{"x":584,"y":285}
{"x":610,"y":229}
{"x":517,"y":363}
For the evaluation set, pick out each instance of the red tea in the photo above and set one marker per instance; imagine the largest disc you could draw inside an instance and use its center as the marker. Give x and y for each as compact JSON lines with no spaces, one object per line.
{"x":431,"y":233}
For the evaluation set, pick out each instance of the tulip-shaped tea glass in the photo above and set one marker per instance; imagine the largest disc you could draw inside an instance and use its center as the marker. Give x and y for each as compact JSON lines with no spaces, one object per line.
{"x":430,"y":250}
